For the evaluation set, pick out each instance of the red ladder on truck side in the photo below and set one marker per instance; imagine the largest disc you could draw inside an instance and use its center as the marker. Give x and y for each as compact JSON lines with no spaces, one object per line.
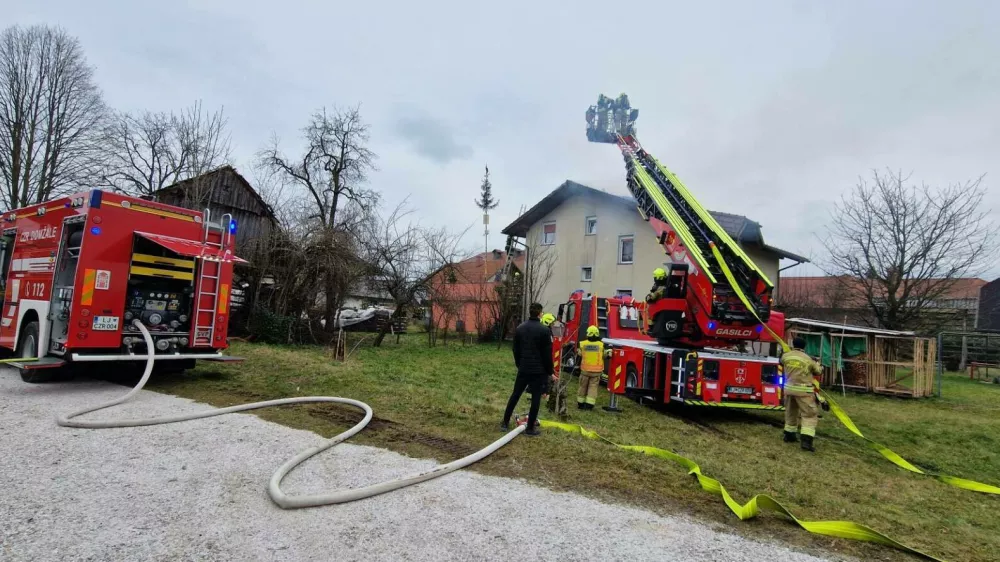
{"x":207,"y":290}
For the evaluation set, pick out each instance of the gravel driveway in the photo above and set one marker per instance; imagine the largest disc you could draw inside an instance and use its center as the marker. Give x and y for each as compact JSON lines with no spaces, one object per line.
{"x":197,"y":491}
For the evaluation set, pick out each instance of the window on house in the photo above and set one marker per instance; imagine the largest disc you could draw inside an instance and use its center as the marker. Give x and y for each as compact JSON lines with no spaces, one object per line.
{"x":623,"y":292}
{"x":586,"y":273}
{"x":626,"y":245}
{"x":549,"y":234}
{"x":591,"y":228}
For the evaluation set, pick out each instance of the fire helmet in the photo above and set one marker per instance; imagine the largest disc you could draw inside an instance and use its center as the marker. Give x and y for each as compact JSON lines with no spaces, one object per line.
{"x":659,"y":273}
{"x":548,"y":319}
{"x":593,"y":332}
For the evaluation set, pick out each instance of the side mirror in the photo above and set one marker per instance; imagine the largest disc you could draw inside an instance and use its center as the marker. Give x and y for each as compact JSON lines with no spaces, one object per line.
{"x":559,"y":313}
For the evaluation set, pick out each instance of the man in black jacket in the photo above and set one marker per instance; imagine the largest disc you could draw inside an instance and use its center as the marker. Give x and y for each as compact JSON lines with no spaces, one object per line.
{"x":533,"y":359}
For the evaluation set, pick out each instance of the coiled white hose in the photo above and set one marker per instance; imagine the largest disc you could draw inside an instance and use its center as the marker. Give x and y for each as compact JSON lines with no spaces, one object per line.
{"x":274,"y":488}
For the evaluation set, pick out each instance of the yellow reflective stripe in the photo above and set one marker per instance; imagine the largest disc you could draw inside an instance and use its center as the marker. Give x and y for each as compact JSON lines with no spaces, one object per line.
{"x":809,"y":431}
{"x":708,"y":219}
{"x":159,"y":260}
{"x":672,"y":217}
{"x":839,"y":529}
{"x":153,"y":272}
{"x":791,"y":428}
{"x":87,"y":294}
{"x":743,"y":298}
{"x":223,"y":298}
{"x":144,"y":209}
{"x":733,"y":405}
{"x":797,"y":388}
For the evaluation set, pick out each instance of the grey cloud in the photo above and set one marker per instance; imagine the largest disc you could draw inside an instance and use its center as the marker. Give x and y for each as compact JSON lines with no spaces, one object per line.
{"x":432,"y":138}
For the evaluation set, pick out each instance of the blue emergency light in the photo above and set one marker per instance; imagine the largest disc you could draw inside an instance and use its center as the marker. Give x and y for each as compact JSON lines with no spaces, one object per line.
{"x":95,"y":230}
{"x":711,"y":325}
{"x":232,"y":226}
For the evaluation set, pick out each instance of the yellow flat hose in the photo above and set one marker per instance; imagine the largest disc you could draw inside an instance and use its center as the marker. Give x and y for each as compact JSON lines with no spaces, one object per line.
{"x":751,"y":509}
{"x":842,"y":416}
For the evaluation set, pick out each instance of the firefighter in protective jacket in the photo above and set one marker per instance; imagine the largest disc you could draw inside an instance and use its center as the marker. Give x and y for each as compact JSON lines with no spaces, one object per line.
{"x":801,"y":408}
{"x":592,"y":355}
{"x":554,"y":388}
{"x":659,"y":289}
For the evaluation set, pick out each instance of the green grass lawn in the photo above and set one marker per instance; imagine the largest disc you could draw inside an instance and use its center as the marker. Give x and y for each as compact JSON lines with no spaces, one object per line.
{"x":445,"y":402}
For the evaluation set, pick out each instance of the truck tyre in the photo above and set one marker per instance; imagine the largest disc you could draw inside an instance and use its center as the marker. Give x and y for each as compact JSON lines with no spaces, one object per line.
{"x":631,"y":377}
{"x":27,"y":346}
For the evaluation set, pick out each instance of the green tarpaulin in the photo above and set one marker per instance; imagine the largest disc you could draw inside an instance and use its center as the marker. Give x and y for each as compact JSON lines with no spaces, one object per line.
{"x":829,"y":347}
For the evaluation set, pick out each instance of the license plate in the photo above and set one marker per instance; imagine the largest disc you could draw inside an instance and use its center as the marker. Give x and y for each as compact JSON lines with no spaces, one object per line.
{"x":106,"y":323}
{"x":739,"y":390}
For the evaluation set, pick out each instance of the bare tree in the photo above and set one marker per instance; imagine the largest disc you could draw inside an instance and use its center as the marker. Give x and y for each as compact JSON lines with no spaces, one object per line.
{"x":539,"y":267}
{"x":331,"y":172}
{"x":149,"y":151}
{"x":906,"y":246}
{"x":405,"y":258}
{"x":50,"y":109}
{"x":444,"y":304}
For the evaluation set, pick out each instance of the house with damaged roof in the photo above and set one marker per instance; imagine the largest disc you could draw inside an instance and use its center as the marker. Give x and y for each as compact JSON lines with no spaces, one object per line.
{"x":597,"y":241}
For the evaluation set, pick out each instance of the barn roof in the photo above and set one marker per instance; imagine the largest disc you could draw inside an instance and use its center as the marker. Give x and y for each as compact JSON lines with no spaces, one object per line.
{"x":184,"y":185}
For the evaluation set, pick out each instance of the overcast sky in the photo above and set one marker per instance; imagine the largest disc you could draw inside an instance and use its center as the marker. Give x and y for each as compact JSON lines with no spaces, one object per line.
{"x":768,"y":108}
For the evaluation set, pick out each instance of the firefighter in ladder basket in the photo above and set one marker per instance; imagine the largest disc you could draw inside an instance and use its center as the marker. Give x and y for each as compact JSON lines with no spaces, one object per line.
{"x":801,"y":408}
{"x":659,"y":289}
{"x":592,"y":355}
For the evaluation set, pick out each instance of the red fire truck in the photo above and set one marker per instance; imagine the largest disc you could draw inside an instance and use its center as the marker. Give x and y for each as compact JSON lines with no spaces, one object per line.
{"x":641,"y":367}
{"x":690,"y":344}
{"x":79,"y":271}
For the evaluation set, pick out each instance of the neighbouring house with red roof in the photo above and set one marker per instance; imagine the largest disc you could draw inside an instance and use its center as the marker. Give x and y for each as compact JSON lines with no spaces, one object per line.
{"x":464,"y":296}
{"x":836,"y":298}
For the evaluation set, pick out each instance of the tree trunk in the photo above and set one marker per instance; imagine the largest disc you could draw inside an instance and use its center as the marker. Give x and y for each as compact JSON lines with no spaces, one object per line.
{"x":330,"y":312}
{"x":396,"y":314}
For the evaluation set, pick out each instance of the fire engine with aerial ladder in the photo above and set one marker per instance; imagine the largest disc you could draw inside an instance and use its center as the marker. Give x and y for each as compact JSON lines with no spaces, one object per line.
{"x":690,"y":345}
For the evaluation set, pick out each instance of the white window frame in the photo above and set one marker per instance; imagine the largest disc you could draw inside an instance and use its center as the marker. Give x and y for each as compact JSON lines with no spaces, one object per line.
{"x":618,"y":292}
{"x":555,"y":231}
{"x":621,"y":240}
{"x":583,"y":276}
{"x":586,"y":226}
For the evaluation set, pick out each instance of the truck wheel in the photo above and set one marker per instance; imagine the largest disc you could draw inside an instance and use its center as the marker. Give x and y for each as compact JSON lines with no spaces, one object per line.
{"x":631,"y":377}
{"x":27,"y":346}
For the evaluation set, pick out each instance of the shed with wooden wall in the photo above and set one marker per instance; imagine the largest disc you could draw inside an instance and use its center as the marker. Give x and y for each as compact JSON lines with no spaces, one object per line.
{"x":225,"y":191}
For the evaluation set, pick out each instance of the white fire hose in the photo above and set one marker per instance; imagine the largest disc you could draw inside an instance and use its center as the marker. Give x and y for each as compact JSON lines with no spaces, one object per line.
{"x":274,"y":488}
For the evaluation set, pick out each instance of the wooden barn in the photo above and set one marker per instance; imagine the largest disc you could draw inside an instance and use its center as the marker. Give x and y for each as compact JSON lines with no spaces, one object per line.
{"x":223,"y":191}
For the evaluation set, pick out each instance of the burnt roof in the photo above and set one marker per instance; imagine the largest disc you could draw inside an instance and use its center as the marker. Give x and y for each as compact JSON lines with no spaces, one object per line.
{"x":742,"y":229}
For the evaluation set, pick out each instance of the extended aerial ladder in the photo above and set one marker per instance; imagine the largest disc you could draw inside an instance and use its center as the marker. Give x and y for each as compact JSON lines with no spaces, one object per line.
{"x":703,"y":307}
{"x":679,"y":347}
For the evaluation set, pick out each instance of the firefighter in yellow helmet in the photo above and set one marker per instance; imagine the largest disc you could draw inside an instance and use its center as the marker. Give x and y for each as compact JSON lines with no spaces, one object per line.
{"x":554,"y":389}
{"x":659,"y":289}
{"x":592,"y":355}
{"x":801,"y":408}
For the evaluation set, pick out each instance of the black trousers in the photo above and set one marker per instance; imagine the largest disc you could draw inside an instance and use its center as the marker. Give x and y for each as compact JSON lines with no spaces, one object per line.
{"x":537,"y":386}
